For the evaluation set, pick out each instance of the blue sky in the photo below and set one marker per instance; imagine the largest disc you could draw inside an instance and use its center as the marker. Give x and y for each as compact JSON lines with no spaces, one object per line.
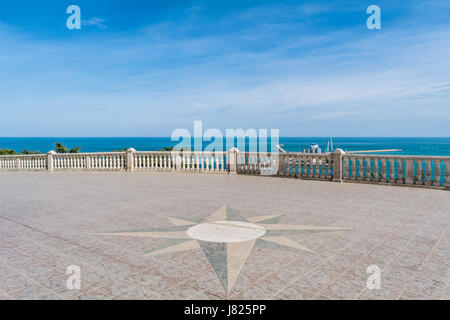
{"x":145,"y":68}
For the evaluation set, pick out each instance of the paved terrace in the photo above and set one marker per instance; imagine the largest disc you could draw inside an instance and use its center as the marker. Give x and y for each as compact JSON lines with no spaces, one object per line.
{"x":49,"y":221}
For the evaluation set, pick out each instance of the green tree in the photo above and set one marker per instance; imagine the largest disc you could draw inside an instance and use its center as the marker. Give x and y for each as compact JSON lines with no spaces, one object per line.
{"x":7,"y":152}
{"x":75,"y":150}
{"x":59,"y":148}
{"x":25,"y":151}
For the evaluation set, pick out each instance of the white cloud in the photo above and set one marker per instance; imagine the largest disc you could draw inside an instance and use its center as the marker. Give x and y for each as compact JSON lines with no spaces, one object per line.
{"x":94,"y":22}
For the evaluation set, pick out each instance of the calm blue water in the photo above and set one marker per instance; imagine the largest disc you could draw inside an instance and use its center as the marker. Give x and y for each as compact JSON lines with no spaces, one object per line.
{"x":410,"y":146}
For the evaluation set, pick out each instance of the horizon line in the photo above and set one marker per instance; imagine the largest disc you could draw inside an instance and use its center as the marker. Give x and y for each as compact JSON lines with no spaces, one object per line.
{"x":146,"y":137}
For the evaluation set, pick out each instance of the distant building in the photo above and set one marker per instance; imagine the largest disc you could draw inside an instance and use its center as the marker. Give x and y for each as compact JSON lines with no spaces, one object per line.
{"x":313,"y":148}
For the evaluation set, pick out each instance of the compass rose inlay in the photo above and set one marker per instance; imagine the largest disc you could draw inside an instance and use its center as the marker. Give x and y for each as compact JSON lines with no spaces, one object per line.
{"x":226,"y":239}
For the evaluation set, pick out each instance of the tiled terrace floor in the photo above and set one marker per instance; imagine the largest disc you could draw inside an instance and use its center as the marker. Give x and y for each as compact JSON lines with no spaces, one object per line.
{"x":49,"y":221}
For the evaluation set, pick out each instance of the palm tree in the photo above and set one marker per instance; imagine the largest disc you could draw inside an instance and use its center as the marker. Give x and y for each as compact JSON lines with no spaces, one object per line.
{"x":59,"y":148}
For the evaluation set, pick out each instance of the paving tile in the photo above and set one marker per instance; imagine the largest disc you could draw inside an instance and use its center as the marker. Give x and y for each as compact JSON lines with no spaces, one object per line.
{"x":205,"y":281}
{"x":307,"y":287}
{"x":253,"y":293}
{"x":19,"y":261}
{"x":426,"y":286}
{"x":290,"y":293}
{"x":377,"y":294}
{"x":94,"y":294}
{"x":217,"y":292}
{"x":58,"y":286}
{"x":35,"y":292}
{"x":181,"y":292}
{"x":160,"y":283}
{"x":40,"y":272}
{"x":334,"y":291}
{"x":12,"y":281}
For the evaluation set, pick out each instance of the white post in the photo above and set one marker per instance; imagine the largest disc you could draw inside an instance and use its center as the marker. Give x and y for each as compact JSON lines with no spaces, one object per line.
{"x":176,"y":154}
{"x":130,"y":159}
{"x":447,"y":175}
{"x":50,"y":160}
{"x":88,"y":162}
{"x":337,"y":165}
{"x":232,"y":160}
{"x":409,"y":174}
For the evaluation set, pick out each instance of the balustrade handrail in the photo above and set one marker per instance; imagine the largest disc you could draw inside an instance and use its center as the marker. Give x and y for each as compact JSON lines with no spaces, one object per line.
{"x":288,"y":153}
{"x":62,"y":154}
{"x":182,"y":151}
{"x":89,"y":153}
{"x":365,"y":155}
{"x":23,"y":155}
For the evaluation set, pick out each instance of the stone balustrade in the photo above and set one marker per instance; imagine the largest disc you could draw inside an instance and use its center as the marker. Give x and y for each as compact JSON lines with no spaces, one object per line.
{"x":205,"y":161}
{"x":88,"y":161}
{"x":425,"y":171}
{"x":23,"y":162}
{"x":297,"y":165}
{"x":428,"y":171}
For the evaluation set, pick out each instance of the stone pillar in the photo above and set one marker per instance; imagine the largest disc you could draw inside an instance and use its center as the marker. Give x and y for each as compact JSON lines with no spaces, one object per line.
{"x":447,"y":175}
{"x":337,"y":165}
{"x":18,"y":163}
{"x":281,"y":163}
{"x":232,"y":160}
{"x":50,"y":160}
{"x":178,"y":159}
{"x":130,"y":159}
{"x":88,"y":163}
{"x":409,"y":171}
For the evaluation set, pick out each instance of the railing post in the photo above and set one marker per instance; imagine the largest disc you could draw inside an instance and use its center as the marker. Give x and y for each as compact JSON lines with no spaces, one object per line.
{"x":337,"y":156}
{"x":281,"y":164}
{"x":88,"y":162}
{"x":232,"y":160}
{"x":50,"y":160}
{"x":130,"y":159}
{"x":18,"y":163}
{"x":178,"y":159}
{"x":409,"y":171}
{"x":447,"y":175}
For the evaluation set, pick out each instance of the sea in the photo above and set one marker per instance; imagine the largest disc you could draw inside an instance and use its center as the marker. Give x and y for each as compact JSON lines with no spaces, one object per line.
{"x":408,"y":146}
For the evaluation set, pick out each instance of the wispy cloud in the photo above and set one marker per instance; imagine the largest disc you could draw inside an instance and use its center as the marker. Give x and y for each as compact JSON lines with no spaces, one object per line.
{"x":100,"y":23}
